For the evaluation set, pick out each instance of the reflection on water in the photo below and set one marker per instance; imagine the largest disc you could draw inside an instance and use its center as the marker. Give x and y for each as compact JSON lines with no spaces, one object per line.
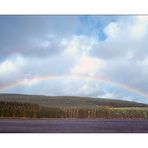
{"x":72,"y":126}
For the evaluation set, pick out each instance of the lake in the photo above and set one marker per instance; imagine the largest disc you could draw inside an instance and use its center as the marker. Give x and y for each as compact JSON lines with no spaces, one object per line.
{"x":73,"y":126}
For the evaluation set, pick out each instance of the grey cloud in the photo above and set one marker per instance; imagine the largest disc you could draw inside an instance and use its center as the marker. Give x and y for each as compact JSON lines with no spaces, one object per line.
{"x":112,"y":49}
{"x":127,"y":72}
{"x":16,"y":32}
{"x":120,"y":40}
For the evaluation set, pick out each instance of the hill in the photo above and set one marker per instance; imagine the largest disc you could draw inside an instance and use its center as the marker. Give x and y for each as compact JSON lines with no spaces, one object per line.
{"x":68,"y":101}
{"x":36,"y":106}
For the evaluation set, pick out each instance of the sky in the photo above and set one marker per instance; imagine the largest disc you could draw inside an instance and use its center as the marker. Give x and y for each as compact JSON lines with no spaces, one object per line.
{"x":83,"y":55}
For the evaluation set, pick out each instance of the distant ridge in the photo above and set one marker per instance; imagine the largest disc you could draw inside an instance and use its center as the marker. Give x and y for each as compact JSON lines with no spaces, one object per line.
{"x":68,"y":101}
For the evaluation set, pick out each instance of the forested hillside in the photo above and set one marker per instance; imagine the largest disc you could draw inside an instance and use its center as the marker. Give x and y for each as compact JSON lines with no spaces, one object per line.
{"x":68,"y":101}
{"x":33,"y":106}
{"x":27,"y":110}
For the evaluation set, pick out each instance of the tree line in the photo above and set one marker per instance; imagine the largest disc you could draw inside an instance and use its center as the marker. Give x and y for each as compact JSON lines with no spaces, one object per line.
{"x":28,"y":110}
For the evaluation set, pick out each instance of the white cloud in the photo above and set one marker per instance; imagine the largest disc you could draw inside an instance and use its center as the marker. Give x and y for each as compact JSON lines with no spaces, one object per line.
{"x":140,"y":28}
{"x":112,"y":30}
{"x":144,"y":61}
{"x":88,"y":66}
{"x":30,"y":82}
{"x":80,"y":45}
{"x":108,"y":95}
{"x":6,"y":66}
{"x":132,"y":30}
{"x":10,"y":66}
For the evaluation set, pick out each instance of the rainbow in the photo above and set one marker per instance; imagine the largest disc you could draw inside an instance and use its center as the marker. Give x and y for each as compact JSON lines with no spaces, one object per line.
{"x":73,"y":77}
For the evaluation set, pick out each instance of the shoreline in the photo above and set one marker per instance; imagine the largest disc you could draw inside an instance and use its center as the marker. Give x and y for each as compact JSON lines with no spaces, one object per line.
{"x":91,"y":119}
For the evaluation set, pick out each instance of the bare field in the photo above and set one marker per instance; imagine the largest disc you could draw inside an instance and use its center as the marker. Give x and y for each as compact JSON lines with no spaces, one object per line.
{"x":73,"y":126}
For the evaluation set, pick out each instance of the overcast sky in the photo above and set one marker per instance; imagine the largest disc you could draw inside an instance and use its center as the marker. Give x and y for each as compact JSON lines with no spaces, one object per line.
{"x":97,"y":56}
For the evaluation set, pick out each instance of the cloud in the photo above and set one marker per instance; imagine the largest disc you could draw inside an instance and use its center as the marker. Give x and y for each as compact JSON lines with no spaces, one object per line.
{"x":11,"y":68}
{"x":48,"y":46}
{"x":18,"y":67}
{"x":24,"y":34}
{"x":123,"y":36}
{"x":87,"y":66}
{"x":139,"y":29}
{"x":79,"y":45}
{"x":112,"y":30}
{"x":112,"y":47}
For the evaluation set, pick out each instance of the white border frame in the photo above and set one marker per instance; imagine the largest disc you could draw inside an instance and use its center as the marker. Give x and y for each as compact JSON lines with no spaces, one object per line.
{"x":124,"y":7}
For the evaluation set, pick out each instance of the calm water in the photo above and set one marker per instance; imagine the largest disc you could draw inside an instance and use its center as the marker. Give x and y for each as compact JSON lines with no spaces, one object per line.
{"x":72,"y":126}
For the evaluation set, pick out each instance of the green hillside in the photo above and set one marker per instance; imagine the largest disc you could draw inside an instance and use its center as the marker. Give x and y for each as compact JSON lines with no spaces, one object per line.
{"x":35,"y":106}
{"x":68,"y":101}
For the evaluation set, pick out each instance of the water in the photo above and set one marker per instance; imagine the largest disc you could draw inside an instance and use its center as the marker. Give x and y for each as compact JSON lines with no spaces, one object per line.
{"x":72,"y":126}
